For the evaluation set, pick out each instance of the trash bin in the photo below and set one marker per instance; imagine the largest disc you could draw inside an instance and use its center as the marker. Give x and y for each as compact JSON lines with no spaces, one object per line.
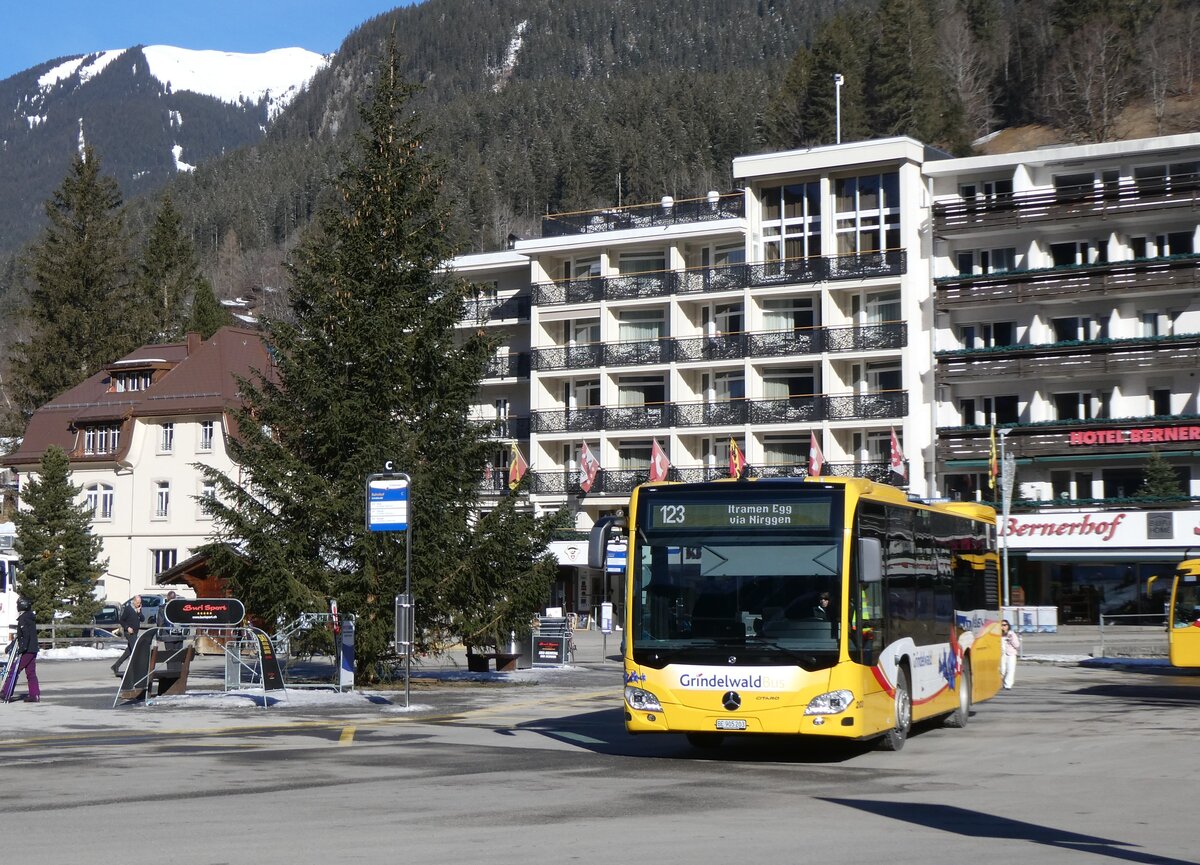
{"x":1047,"y":620}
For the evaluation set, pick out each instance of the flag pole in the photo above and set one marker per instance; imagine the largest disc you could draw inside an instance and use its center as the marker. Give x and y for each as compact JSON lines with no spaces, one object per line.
{"x":1005,"y":498}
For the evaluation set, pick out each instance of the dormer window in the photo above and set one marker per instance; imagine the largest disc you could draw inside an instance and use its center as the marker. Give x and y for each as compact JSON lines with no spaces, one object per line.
{"x":101,"y":439}
{"x":138,"y":379}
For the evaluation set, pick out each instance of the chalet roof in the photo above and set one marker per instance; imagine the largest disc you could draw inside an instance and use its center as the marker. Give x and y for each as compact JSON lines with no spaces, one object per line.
{"x":192,"y":377}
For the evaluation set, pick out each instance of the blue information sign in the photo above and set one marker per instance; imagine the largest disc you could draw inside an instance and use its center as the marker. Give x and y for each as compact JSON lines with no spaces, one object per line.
{"x":387,"y":503}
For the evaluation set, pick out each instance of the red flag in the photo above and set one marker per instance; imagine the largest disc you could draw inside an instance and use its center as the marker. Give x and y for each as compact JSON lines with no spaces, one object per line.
{"x":658,"y":462}
{"x":897,"y":459}
{"x":737,"y":462}
{"x":588,"y":467}
{"x":516,"y":468}
{"x":993,"y":463}
{"x":816,"y":459}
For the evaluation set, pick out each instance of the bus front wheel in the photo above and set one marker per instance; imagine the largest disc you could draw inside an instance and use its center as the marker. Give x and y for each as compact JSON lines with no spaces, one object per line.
{"x":960,"y":716}
{"x":893,"y":739}
{"x":705,"y":740}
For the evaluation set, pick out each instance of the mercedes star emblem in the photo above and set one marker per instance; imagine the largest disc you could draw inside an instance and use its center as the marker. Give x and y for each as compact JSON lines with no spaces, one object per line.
{"x":731,"y":701}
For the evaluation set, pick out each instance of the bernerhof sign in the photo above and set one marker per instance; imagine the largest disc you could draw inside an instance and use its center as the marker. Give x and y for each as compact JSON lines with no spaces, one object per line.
{"x":1102,"y":529}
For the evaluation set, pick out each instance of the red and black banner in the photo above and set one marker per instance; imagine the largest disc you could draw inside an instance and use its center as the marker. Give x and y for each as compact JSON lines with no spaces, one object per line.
{"x":214,"y":612}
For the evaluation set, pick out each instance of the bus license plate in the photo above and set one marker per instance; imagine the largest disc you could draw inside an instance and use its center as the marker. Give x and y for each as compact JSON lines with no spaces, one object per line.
{"x":731,"y":724}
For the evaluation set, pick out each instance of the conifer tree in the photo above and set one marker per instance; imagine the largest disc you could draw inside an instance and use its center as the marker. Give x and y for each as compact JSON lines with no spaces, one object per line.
{"x":59,"y":555}
{"x":1162,"y":481}
{"x":838,"y":50}
{"x":80,"y":307}
{"x":785,"y":120}
{"x":367,"y":370}
{"x":206,"y":315}
{"x":169,"y":276}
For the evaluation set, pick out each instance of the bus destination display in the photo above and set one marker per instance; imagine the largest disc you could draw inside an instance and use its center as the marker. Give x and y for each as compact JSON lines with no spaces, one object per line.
{"x":758,"y":514}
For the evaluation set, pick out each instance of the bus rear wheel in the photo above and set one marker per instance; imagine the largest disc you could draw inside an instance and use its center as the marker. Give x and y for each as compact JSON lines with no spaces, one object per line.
{"x":705,"y":740}
{"x":894,"y":739}
{"x":960,"y":716}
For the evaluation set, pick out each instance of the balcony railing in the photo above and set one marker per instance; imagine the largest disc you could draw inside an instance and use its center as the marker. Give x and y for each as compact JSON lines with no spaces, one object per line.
{"x":885,"y":405}
{"x":1069,"y":359}
{"x":728,"y":277}
{"x":726,"y":346}
{"x":512,"y":427}
{"x":1052,"y":437}
{"x":1112,"y":279}
{"x":621,"y":482}
{"x":514,"y":365}
{"x":480,"y":310}
{"x":728,"y":206}
{"x":1047,"y":205}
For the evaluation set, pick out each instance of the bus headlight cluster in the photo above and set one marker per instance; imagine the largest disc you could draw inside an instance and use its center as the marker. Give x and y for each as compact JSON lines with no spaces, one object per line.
{"x":642,"y":701}
{"x":830,"y":703}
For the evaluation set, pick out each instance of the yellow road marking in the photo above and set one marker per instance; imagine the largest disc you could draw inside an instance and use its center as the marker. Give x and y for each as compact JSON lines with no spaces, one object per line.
{"x":347,"y":737}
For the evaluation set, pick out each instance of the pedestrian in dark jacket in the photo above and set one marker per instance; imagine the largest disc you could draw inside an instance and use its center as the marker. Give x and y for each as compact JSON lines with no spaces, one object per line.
{"x":27,"y":649}
{"x":130,"y":622}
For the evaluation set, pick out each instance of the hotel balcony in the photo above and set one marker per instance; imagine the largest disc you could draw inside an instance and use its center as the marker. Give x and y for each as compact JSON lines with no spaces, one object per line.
{"x":732,"y":346}
{"x":513,"y":365}
{"x":1070,"y":359}
{"x":1177,"y":273}
{"x":620,"y":482}
{"x":1078,"y":205}
{"x":484,"y":310}
{"x":728,"y":277}
{"x":505,"y":428}
{"x":667,"y":212}
{"x":1167,"y":434}
{"x":886,"y":405}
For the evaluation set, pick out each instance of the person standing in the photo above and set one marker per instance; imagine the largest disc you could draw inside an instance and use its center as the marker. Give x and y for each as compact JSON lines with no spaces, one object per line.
{"x":1010,"y":647}
{"x":27,"y":649}
{"x":130,"y":622}
{"x":160,"y":618}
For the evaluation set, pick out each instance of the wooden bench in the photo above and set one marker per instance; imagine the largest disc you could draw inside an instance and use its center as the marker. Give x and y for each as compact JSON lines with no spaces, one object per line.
{"x":506,"y":662}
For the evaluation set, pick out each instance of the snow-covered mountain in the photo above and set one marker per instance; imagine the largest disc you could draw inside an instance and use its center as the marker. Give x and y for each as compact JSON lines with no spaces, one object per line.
{"x":150,"y":112}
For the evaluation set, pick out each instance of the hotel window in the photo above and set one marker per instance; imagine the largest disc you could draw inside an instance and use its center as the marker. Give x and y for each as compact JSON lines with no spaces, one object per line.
{"x":207,"y":431}
{"x":988,"y":410}
{"x":988,"y":335}
{"x":1160,"y":401}
{"x":881,"y":307}
{"x":104,"y":439}
{"x":642,"y":262}
{"x":968,"y":487}
{"x":883,"y":377}
{"x":987,"y":189}
{"x":162,"y":499}
{"x":1177,"y":177}
{"x":719,"y":256}
{"x":641,"y":390}
{"x":582,"y":331}
{"x":640,"y":325}
{"x":1076,"y":405}
{"x":208,"y":490}
{"x":786,"y":450}
{"x":1071,"y":187}
{"x":722,"y":318}
{"x":166,"y":438}
{"x":792,"y":313}
{"x":1076,"y":252}
{"x":868,"y":213}
{"x":100,"y":501}
{"x":791,"y":221}
{"x":634,"y":456}
{"x":131,"y":381}
{"x":581,"y":394}
{"x":873,"y":447}
{"x":984,"y":261}
{"x":163,"y":560}
{"x":581,"y":268}
{"x":789,"y":383}
{"x":1078,"y":328}
{"x":726,"y":386}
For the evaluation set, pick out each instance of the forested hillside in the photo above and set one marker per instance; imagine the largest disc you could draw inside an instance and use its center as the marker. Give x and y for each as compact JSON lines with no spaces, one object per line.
{"x":552,"y":105}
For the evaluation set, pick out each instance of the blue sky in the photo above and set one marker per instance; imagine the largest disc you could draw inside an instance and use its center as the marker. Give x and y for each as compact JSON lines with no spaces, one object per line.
{"x":32,"y":31}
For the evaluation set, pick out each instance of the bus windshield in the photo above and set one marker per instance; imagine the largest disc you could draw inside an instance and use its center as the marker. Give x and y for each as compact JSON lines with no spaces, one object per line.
{"x":758,"y":568}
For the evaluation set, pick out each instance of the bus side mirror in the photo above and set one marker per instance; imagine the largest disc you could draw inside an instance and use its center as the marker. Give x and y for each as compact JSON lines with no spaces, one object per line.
{"x":598,"y":540}
{"x":870,"y":560}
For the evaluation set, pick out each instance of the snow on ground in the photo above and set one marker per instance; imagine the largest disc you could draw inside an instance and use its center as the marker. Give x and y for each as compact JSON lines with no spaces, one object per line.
{"x":88,"y":67}
{"x":277,"y":75}
{"x":81,"y":653}
{"x":180,"y":165}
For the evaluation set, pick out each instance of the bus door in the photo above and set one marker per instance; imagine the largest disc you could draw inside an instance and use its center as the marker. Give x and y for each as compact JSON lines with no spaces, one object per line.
{"x":1185,"y":616}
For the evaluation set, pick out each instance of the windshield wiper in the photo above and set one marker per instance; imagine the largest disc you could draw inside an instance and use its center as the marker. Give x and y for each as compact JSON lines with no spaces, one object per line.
{"x":807,"y":660}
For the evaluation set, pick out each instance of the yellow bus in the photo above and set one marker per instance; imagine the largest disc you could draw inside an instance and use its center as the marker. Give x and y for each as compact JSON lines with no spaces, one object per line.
{"x":818,"y":606}
{"x":1183,"y":632}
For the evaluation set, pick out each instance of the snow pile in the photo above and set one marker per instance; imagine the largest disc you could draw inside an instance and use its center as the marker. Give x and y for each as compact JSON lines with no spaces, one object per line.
{"x":81,"y":653}
{"x":276,"y":76}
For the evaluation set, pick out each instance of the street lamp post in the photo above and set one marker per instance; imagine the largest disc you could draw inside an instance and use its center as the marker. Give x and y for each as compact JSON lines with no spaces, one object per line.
{"x":1006,"y":484}
{"x":838,"y":81}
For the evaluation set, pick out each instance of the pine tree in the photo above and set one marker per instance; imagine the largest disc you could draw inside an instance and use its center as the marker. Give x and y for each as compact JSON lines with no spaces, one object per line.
{"x":838,"y":50}
{"x":169,"y":276}
{"x":59,"y":556}
{"x":80,"y":307}
{"x":368,"y":370}
{"x":785,"y":120}
{"x":1162,"y":481}
{"x":206,"y":315}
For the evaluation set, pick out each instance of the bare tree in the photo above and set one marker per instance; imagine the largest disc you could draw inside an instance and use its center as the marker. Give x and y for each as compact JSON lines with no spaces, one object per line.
{"x":969,"y":69}
{"x":1090,"y":82}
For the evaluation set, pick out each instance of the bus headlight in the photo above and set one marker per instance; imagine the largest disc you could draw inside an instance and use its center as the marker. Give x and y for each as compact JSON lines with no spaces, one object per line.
{"x":642,"y":701}
{"x":830,"y":703}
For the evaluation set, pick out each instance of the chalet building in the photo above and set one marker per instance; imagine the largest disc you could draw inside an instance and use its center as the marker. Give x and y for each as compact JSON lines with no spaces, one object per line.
{"x":133,"y":432}
{"x":850,"y":292}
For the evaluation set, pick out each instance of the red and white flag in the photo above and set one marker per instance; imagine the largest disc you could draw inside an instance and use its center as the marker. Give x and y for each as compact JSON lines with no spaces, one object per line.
{"x":588,"y":467}
{"x":897,"y":458}
{"x":816,"y":459}
{"x":658,"y":462}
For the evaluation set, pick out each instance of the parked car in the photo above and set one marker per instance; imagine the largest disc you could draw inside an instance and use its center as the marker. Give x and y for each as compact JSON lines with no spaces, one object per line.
{"x":151,"y":604}
{"x":106,"y":619}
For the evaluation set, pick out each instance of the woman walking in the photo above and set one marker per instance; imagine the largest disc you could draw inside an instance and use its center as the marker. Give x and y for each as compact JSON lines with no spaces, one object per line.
{"x":27,"y":649}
